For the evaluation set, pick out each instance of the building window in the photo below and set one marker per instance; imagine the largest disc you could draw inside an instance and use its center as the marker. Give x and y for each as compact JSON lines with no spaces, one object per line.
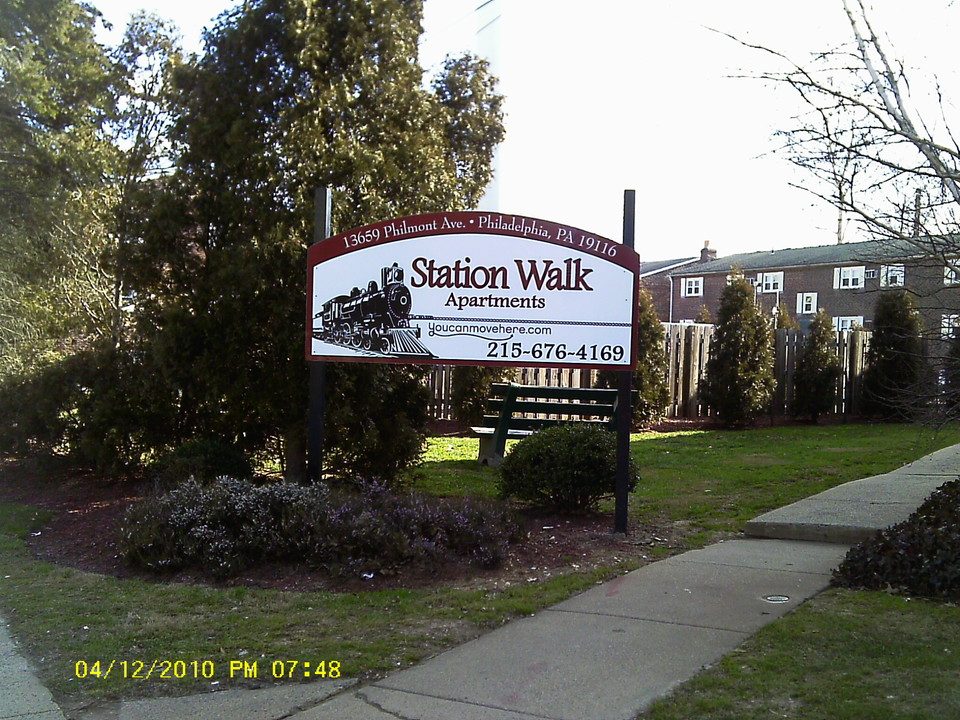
{"x":806,"y":303}
{"x":949,"y":325}
{"x":770,"y":282}
{"x":848,"y":278}
{"x":848,"y":322}
{"x":951,"y":273}
{"x":892,"y":275}
{"x":691,"y":287}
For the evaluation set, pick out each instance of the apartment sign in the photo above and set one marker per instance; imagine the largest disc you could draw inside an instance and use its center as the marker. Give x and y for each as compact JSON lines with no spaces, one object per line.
{"x":476,"y":288}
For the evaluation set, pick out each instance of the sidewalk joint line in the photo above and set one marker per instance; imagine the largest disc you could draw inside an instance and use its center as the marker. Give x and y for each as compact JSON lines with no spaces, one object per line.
{"x":825,"y":573}
{"x":653,"y":620}
{"x":311,"y":705}
{"x":446,"y":699}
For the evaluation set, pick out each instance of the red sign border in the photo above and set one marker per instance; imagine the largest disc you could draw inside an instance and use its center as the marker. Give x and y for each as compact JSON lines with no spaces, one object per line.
{"x":470,"y":223}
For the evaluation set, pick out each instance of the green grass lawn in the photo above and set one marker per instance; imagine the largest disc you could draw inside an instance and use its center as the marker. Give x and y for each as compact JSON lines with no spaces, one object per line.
{"x":712,"y":481}
{"x":715,"y":481}
{"x":842,"y":655}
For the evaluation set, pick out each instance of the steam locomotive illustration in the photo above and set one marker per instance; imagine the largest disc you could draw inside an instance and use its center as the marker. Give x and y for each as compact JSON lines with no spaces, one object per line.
{"x":376,"y":319}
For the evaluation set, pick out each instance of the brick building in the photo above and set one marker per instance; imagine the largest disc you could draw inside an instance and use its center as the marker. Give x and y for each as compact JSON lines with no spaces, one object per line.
{"x":655,"y":278}
{"x":842,"y":279}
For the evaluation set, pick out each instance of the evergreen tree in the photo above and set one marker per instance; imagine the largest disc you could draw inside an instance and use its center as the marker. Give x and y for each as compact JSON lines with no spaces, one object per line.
{"x":55,"y":101}
{"x":818,"y":370}
{"x":895,"y":362}
{"x":650,"y":375}
{"x":739,"y":380}
{"x":291,"y":95}
{"x":784,"y":320}
{"x":951,"y":375}
{"x":703,"y":315}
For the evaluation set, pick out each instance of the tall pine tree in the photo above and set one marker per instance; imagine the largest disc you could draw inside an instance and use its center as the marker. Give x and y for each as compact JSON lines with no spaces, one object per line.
{"x":289,"y":96}
{"x":739,"y":380}
{"x":55,"y":101}
{"x":818,"y":370}
{"x":893,"y":379}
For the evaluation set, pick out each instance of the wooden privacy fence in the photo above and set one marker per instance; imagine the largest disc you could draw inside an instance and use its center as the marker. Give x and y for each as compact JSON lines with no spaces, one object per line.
{"x":850,"y":346}
{"x":687,"y":348}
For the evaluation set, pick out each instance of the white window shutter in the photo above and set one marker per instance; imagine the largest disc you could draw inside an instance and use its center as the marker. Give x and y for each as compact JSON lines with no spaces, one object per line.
{"x":836,"y":278}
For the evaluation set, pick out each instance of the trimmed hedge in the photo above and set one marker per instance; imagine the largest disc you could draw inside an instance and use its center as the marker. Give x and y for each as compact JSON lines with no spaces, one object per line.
{"x":566,"y":467}
{"x":920,"y":556}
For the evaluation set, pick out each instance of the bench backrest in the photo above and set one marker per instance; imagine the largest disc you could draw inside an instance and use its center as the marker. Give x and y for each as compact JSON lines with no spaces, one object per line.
{"x":510,"y":400}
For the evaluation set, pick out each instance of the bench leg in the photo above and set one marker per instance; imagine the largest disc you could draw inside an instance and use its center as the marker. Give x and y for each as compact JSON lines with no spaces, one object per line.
{"x":489,"y":455}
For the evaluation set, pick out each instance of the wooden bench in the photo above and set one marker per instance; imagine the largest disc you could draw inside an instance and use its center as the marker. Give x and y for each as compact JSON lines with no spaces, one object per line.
{"x":508,"y":400}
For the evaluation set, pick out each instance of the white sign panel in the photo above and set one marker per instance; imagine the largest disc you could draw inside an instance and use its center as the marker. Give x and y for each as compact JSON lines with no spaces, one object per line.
{"x":476,"y":288}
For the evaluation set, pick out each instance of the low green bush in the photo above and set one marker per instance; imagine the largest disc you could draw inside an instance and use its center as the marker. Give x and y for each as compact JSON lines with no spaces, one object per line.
{"x":202,"y":459}
{"x":228,"y":525}
{"x":920,"y":556}
{"x":568,"y":468}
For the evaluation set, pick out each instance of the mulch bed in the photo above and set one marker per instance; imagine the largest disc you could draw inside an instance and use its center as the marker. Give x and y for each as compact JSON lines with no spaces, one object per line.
{"x":88,"y":510}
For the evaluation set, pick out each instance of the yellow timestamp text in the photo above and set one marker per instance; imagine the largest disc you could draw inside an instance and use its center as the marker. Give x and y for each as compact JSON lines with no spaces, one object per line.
{"x":157,"y":669}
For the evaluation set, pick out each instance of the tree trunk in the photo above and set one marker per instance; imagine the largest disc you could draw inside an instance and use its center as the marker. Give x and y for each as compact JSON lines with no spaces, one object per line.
{"x":295,"y":455}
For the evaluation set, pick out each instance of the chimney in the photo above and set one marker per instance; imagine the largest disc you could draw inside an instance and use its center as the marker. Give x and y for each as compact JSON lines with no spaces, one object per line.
{"x":706,"y":255}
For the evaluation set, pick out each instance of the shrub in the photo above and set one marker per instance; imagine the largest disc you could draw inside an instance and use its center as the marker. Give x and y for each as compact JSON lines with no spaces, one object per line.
{"x":471,"y":388}
{"x":376,"y":420}
{"x":739,"y":380}
{"x":895,"y":362}
{"x":103,"y":407}
{"x":818,"y":370}
{"x":202,"y":459}
{"x":228,"y":525}
{"x":567,"y":467}
{"x":920,"y":556}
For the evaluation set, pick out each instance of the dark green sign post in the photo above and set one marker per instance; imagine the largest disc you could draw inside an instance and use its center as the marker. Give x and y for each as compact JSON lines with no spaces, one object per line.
{"x":625,"y":392}
{"x":318,"y":369}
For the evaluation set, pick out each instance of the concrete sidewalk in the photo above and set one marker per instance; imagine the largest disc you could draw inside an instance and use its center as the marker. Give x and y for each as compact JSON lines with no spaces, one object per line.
{"x":853,"y":512}
{"x":605,"y":654}
{"x":21,"y":694}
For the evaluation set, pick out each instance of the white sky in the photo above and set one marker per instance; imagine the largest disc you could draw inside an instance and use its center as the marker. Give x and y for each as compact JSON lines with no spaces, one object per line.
{"x":620,"y":94}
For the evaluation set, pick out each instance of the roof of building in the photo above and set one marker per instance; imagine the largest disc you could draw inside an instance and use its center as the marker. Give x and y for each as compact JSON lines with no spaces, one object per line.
{"x":652,"y":267}
{"x":846,"y":253}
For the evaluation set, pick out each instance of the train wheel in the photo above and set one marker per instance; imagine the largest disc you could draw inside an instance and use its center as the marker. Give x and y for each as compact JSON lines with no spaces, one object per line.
{"x":366,"y":341}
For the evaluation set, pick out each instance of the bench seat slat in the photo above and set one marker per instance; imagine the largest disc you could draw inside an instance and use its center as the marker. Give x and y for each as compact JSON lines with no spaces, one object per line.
{"x":538,"y":423}
{"x":594,"y":409}
{"x":555,"y":408}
